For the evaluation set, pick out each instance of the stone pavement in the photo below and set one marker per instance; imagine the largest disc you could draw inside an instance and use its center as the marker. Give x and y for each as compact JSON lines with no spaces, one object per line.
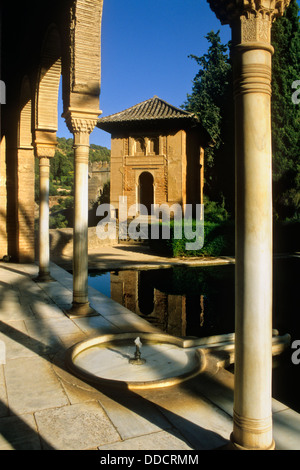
{"x":43,"y":406}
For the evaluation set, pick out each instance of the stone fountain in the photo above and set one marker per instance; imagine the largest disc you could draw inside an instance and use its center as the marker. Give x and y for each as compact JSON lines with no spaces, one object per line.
{"x":116,"y":360}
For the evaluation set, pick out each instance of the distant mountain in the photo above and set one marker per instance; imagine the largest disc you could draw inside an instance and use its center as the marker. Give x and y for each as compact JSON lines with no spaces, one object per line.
{"x":62,"y":165}
{"x":97,"y":152}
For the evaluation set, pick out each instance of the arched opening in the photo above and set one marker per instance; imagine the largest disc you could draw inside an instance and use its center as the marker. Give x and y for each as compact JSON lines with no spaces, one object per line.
{"x":145,"y":293}
{"x":48,"y":82}
{"x":25,"y":177}
{"x":140,"y":148}
{"x":25,"y":124}
{"x":146,"y":191}
{"x":46,"y":123}
{"x":154,"y":146}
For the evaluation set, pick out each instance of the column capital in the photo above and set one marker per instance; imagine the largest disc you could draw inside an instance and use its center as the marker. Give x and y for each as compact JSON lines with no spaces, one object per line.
{"x":229,"y":10}
{"x":45,"y":143}
{"x":81,"y":121}
{"x":44,"y":151}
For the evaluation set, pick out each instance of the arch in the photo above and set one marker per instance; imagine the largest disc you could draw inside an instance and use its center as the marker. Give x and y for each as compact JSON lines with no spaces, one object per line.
{"x":85,"y":47}
{"x":48,"y":82}
{"x":25,"y":120}
{"x":145,"y":294}
{"x":140,"y":146}
{"x":146,"y":190}
{"x":25,"y":177}
{"x":154,"y":146}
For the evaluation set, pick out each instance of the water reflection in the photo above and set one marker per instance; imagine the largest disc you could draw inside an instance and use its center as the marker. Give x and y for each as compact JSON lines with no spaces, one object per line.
{"x":200,"y":302}
{"x":180,"y":301}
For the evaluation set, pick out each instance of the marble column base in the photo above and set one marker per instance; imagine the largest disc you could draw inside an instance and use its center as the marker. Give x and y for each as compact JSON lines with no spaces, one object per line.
{"x":44,"y":277}
{"x":234,"y":446}
{"x":81,"y":310}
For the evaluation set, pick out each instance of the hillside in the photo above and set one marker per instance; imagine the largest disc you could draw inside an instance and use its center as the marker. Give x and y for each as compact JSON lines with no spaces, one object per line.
{"x":62,"y":179}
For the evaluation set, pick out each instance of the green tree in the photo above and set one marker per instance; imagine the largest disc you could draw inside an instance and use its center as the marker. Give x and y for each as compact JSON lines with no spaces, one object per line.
{"x":212,"y":101}
{"x":286,"y":114}
{"x":98,"y":153}
{"x":61,"y":165}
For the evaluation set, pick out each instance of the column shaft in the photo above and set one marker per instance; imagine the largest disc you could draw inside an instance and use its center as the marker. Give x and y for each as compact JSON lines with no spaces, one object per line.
{"x":44,"y":245}
{"x":253,"y":365}
{"x":81,"y":123}
{"x":251,"y":22}
{"x":80,"y":245}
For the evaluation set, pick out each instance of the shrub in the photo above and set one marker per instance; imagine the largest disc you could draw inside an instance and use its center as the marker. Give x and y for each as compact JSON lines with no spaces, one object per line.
{"x":218,"y":241}
{"x":58,"y":221}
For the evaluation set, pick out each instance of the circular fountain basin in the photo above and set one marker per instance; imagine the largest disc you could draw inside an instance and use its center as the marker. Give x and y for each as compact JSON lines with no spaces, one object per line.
{"x":106,"y":360}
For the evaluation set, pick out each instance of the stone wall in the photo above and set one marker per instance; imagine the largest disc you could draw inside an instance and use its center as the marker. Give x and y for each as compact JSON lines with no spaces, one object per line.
{"x":61,"y":242}
{"x":99,"y":175}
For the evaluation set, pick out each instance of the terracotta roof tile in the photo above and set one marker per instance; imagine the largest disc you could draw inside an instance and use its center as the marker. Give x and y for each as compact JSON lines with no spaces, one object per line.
{"x":149,"y":110}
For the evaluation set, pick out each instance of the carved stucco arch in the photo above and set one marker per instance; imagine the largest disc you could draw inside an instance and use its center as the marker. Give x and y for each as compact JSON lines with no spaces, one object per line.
{"x":82,"y":66}
{"x":25,"y":120}
{"x":48,"y":82}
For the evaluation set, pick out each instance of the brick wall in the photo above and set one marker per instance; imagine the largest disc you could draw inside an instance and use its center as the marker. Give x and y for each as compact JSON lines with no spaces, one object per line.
{"x":26,"y":205}
{"x":3,"y":201}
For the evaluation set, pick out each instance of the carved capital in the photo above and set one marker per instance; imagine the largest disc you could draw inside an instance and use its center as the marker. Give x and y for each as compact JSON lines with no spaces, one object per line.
{"x":45,"y":143}
{"x":42,"y":150}
{"x":228,"y":11}
{"x":81,"y":121}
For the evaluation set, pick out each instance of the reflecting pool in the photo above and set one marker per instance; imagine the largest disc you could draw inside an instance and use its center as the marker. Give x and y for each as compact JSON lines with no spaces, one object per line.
{"x":199,"y":302}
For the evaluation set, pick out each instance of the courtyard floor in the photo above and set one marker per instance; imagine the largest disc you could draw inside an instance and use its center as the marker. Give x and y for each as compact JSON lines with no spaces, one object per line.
{"x":44,"y":406}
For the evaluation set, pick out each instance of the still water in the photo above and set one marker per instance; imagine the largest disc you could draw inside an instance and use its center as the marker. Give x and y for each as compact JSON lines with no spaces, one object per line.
{"x":199,"y":301}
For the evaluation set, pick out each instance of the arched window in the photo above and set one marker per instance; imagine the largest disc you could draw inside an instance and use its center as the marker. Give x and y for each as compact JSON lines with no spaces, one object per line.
{"x":146,"y":190}
{"x":154,"y":146}
{"x":140,"y":148}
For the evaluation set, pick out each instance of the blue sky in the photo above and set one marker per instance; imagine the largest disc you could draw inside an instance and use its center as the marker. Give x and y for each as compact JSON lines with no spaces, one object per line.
{"x":145,"y":48}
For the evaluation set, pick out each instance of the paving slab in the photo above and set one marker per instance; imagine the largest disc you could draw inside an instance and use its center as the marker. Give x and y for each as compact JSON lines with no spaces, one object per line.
{"x":18,"y":343}
{"x":203,"y":424}
{"x":133,"y":416}
{"x":163,"y":440}
{"x":48,"y":331}
{"x":19,"y":433}
{"x":76,"y":427}
{"x":3,"y":394}
{"x":286,"y":430}
{"x":32,"y":385}
{"x":97,"y":325}
{"x":42,"y":405}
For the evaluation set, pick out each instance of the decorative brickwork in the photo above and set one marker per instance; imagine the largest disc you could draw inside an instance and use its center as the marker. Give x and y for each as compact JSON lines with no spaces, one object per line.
{"x":151,"y":137}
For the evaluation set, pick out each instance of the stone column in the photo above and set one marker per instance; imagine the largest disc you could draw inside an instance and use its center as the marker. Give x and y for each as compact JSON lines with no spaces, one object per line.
{"x":81,"y":125}
{"x":45,"y":150}
{"x":251,"y":21}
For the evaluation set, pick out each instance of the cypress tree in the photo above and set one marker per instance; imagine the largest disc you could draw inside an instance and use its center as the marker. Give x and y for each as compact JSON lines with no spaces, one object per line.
{"x":286,"y":114}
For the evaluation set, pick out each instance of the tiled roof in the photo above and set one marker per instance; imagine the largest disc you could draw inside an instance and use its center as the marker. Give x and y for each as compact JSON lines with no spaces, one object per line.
{"x":154,"y":109}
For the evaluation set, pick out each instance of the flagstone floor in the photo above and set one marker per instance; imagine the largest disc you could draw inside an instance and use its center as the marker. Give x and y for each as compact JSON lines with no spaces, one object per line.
{"x":44,"y":406}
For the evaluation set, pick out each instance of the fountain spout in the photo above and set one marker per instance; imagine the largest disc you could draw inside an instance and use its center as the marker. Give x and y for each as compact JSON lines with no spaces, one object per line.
{"x":137,"y":360}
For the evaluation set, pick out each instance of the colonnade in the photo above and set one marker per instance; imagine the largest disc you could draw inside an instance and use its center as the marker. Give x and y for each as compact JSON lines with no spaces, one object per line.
{"x":81,"y":123}
{"x":251,"y":22}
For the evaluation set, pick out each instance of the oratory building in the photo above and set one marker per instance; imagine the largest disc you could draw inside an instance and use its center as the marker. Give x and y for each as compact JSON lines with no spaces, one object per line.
{"x":157,"y":155}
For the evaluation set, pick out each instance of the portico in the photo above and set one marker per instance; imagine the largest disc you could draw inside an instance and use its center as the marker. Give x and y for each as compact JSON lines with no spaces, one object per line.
{"x":41,"y":46}
{"x":39,"y":49}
